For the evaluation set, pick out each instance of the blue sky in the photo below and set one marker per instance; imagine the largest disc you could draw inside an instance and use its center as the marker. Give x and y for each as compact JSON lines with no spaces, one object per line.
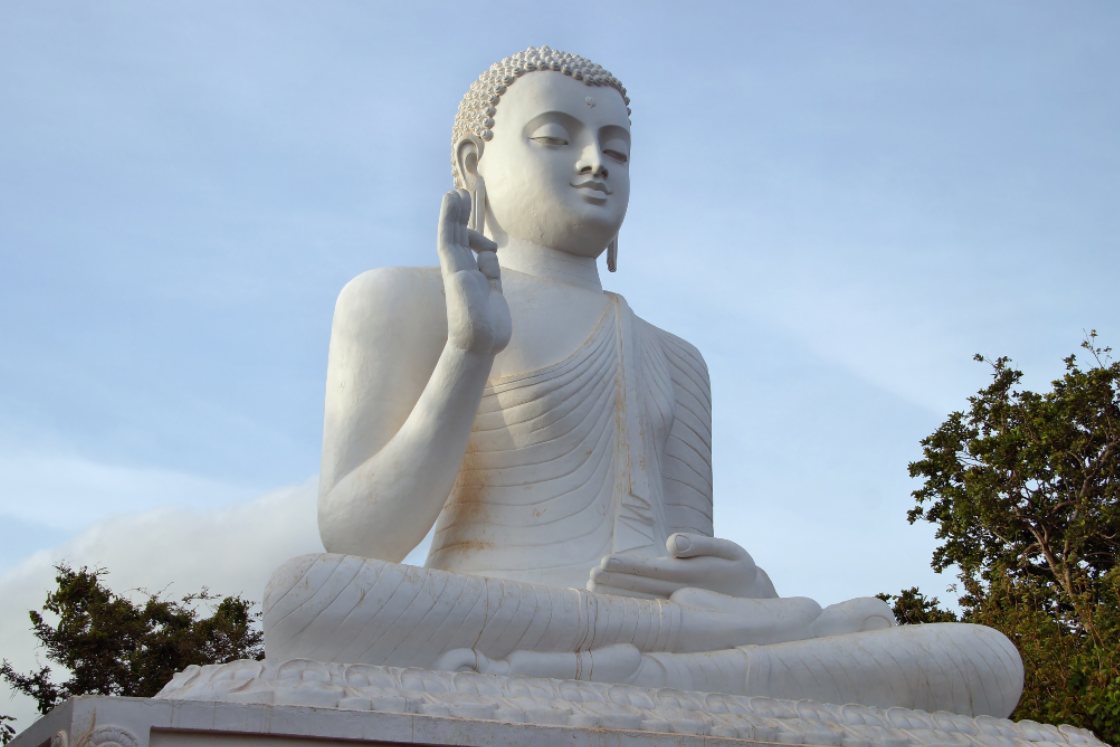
{"x":838,"y":202}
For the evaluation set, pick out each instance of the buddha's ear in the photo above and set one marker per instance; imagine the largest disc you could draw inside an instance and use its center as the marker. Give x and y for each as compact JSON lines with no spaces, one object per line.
{"x":468,"y":152}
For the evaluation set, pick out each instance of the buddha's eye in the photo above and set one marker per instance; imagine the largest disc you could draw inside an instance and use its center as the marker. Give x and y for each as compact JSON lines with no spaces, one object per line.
{"x":551,"y":134}
{"x":616,"y":148}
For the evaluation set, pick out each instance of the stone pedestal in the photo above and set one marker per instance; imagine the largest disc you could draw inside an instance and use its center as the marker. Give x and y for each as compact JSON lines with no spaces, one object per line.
{"x":297,"y":703}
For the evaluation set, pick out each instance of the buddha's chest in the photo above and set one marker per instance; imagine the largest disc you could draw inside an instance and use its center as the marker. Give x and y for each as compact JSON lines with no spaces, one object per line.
{"x":565,"y":460}
{"x":549,"y":324}
{"x":609,"y":402}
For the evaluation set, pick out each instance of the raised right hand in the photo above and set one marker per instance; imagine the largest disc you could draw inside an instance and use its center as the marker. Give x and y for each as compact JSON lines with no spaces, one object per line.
{"x":478,"y":318}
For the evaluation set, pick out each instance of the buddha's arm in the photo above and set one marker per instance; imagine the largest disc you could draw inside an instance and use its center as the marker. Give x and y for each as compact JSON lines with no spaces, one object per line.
{"x":687,"y":466}
{"x":405,"y":375}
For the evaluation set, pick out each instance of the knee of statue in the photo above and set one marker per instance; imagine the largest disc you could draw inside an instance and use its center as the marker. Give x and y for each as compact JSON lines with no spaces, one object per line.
{"x":854,"y":615}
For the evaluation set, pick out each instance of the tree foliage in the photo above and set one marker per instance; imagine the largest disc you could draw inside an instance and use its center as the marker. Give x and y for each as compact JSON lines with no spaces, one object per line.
{"x":912,"y":607}
{"x":110,"y":645}
{"x":1024,"y":489}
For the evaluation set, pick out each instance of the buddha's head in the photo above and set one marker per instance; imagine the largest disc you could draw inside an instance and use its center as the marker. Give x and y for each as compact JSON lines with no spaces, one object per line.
{"x":542,"y":139}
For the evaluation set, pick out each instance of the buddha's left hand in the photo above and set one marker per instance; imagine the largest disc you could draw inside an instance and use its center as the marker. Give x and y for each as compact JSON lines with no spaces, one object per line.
{"x":694,"y":561}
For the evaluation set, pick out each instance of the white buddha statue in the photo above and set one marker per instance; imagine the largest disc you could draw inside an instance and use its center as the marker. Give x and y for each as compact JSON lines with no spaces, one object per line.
{"x":560,"y":446}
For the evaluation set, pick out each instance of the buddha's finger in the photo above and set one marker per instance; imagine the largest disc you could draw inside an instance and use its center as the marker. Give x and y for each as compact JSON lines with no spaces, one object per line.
{"x":658,"y":587}
{"x":479,"y":242}
{"x":488,"y":265}
{"x":668,"y":569}
{"x":451,"y":258}
{"x":463,"y":218}
{"x":693,"y":596}
{"x":614,"y":591}
{"x":688,"y":545}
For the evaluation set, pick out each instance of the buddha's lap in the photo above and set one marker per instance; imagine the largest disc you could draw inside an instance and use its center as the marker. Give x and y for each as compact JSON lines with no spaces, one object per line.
{"x":459,"y":609}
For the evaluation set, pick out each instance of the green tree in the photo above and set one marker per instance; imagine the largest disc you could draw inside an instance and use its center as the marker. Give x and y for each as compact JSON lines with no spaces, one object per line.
{"x":110,"y":645}
{"x":1024,"y":489}
{"x":912,"y":607}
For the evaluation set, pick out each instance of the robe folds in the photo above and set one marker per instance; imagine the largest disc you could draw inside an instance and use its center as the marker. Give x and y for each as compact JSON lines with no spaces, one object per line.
{"x":606,"y":451}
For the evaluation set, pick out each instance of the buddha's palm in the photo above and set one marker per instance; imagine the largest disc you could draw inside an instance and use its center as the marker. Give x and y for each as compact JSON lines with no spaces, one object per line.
{"x":477,"y":313}
{"x":693,"y":562}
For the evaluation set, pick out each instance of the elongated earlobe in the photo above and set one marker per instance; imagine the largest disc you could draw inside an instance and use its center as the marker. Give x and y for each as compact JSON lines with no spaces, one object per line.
{"x":612,"y":255}
{"x":477,"y":220}
{"x":468,"y":151}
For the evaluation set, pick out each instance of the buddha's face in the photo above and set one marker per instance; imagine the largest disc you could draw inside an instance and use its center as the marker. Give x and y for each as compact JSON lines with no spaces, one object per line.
{"x":557,"y":169}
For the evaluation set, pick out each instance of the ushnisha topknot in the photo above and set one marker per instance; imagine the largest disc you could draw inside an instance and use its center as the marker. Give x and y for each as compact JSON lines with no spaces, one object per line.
{"x":477,"y":109}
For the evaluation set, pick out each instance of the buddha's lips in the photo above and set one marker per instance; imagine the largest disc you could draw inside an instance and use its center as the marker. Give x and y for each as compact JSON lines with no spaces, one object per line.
{"x":597,"y":186}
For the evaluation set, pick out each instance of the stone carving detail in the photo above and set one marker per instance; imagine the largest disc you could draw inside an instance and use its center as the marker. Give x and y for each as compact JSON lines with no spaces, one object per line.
{"x":468,"y":695}
{"x":111,"y":736}
{"x":60,"y":739}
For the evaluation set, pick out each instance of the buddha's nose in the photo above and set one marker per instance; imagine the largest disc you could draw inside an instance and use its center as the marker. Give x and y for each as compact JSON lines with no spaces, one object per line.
{"x":590,"y":163}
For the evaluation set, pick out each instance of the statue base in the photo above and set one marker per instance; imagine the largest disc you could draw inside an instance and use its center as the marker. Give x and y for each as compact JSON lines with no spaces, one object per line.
{"x":299,"y":702}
